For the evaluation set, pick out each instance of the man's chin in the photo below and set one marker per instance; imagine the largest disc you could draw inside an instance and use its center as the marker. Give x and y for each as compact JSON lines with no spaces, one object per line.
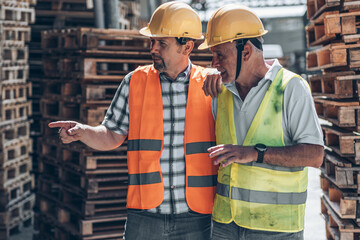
{"x":159,"y":67}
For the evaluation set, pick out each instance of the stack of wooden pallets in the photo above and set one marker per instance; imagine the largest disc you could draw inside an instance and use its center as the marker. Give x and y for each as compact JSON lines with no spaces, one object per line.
{"x":82,"y":192}
{"x":334,"y":28}
{"x":16,"y":181}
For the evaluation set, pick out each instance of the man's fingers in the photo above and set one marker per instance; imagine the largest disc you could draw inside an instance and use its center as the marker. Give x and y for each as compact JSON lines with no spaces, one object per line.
{"x":211,"y":149}
{"x":213,"y":86}
{"x":219,"y":85}
{"x":223,"y":157}
{"x":73,"y":131}
{"x":64,"y":124}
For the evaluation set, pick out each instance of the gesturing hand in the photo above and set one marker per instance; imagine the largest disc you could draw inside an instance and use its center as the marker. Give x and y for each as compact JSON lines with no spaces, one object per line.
{"x":229,"y":153}
{"x":69,"y":131}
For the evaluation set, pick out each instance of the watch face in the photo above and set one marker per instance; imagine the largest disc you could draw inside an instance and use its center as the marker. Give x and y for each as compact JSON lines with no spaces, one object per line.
{"x":261,"y":147}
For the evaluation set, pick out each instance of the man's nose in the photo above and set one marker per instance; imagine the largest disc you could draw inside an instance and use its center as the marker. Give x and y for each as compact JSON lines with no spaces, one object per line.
{"x":154,"y":47}
{"x":215,"y":62}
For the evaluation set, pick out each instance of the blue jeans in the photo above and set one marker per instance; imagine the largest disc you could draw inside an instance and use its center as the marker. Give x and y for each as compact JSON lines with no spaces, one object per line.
{"x":142,"y":225}
{"x":232,"y":231}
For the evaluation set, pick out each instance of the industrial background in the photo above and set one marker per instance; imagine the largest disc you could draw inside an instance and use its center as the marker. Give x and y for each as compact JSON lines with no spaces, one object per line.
{"x":64,"y":59}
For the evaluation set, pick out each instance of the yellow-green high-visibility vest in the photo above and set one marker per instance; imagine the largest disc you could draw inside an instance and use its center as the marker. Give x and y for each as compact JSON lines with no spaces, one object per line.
{"x":257,"y":195}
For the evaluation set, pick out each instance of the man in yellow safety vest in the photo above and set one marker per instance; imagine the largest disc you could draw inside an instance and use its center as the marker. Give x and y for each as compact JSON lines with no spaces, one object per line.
{"x":267,"y":133}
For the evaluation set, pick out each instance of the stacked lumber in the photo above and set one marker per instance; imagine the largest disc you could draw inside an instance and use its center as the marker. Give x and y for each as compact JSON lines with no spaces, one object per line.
{"x":81,"y":191}
{"x":333,"y":30}
{"x":60,"y":14}
{"x":16,"y":181}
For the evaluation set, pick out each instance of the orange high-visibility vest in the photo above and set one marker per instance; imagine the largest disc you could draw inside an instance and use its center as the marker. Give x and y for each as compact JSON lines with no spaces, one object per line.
{"x":146,"y":140}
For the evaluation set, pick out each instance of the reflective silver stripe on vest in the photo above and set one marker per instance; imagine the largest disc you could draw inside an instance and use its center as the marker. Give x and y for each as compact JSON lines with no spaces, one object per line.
{"x":223,"y":189}
{"x":276,"y":168}
{"x":202,"y":181}
{"x":144,"y":178}
{"x":144,"y":144}
{"x":261,"y":196}
{"x":198,"y":147}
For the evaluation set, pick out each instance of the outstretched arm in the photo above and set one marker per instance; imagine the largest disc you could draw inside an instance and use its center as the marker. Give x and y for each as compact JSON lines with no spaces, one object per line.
{"x":99,"y":137}
{"x":301,"y":155}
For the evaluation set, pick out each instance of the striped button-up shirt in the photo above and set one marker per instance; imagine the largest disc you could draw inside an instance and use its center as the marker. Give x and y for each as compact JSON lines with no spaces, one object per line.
{"x":172,"y":161}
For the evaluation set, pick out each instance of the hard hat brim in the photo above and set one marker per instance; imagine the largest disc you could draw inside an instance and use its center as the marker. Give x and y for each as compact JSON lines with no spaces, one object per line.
{"x":206,"y":45}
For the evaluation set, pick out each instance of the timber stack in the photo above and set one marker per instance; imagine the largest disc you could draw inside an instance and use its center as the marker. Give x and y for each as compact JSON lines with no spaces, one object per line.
{"x":334,"y":30}
{"x":16,"y":180}
{"x":81,"y":191}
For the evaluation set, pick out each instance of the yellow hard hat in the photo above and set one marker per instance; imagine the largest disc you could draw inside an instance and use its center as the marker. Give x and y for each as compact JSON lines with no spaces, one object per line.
{"x":231,"y":22}
{"x":174,"y":19}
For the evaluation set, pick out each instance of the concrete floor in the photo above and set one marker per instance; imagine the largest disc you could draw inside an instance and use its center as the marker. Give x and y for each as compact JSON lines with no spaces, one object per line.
{"x":314,"y":223}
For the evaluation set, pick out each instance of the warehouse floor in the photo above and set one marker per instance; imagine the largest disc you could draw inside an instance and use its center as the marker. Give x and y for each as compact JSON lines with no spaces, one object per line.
{"x":314,"y":223}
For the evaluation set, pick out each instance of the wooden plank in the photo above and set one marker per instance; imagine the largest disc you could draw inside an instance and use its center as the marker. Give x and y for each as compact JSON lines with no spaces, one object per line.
{"x":337,"y":228}
{"x":19,"y":12}
{"x":11,"y":113}
{"x":340,"y":113}
{"x":340,"y":140}
{"x":14,"y":55}
{"x":15,"y":93}
{"x":335,"y":85}
{"x":15,"y":172}
{"x":317,"y":7}
{"x":16,"y":152}
{"x":16,"y":191}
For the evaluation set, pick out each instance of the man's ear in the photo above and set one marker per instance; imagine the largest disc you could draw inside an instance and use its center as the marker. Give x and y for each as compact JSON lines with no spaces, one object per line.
{"x":247,"y":52}
{"x":188,"y":47}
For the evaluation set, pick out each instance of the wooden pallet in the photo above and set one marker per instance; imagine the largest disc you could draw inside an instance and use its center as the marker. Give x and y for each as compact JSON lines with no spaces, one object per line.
{"x":97,"y":186}
{"x":340,"y":113}
{"x":18,"y":12}
{"x":343,"y":202}
{"x":341,"y":172}
{"x":65,"y":5}
{"x":351,"y":5}
{"x":11,"y":113}
{"x":333,"y":56}
{"x":316,"y":7}
{"x":17,"y":211}
{"x":63,"y":229}
{"x":15,"y":152}
{"x":337,"y":228}
{"x":78,"y":15}
{"x":334,"y":85}
{"x":16,"y":226}
{"x":13,"y":134}
{"x":319,"y":32}
{"x":85,"y":93}
{"x":16,"y":191}
{"x":59,"y":110}
{"x":48,"y":168}
{"x":343,"y":142}
{"x":77,"y":204}
{"x":14,"y":55}
{"x":15,"y":172}
{"x":90,"y":69}
{"x":15,"y":93}
{"x":95,"y":162}
{"x":344,"y":24}
{"x":91,"y":209}
{"x":94,"y":39}
{"x":14,"y":35}
{"x":14,"y":74}
{"x":50,"y":230}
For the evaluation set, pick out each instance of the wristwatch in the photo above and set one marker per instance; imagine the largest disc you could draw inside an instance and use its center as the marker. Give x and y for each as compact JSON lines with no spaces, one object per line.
{"x":261,"y":149}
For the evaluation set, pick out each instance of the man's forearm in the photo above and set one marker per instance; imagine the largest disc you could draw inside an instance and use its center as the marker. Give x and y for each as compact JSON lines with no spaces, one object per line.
{"x":300,"y":155}
{"x":101,"y":138}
